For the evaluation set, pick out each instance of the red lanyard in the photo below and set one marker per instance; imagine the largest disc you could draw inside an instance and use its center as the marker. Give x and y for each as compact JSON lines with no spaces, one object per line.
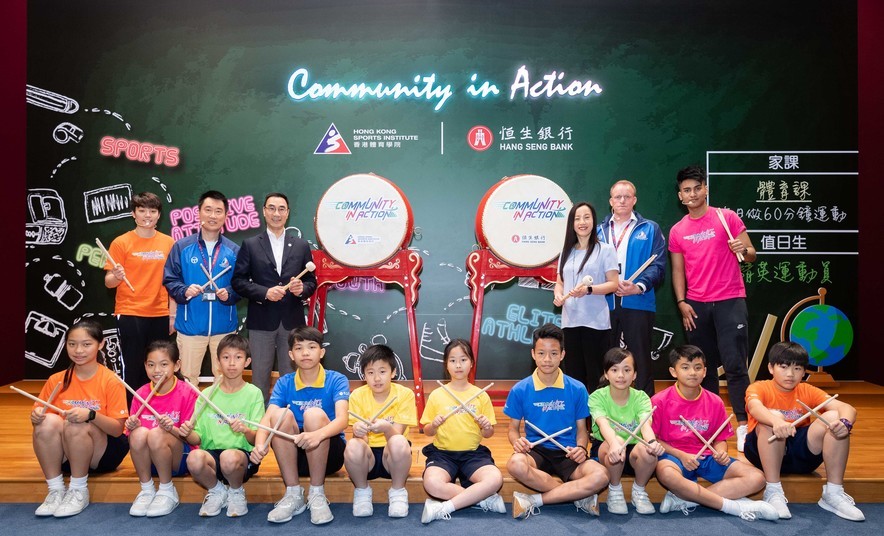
{"x":199,"y":246}
{"x":622,"y":233}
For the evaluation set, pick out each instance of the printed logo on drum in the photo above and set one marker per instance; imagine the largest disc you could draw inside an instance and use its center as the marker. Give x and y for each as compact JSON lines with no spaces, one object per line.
{"x":332,"y":142}
{"x":535,"y":209}
{"x":515,"y":239}
{"x":350,"y":240}
{"x":480,"y":138}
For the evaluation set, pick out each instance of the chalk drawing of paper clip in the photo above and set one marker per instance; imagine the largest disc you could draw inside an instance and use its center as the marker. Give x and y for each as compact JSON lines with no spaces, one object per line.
{"x":47,"y":224}
{"x":50,"y":100}
{"x":65,"y":132}
{"x":113,"y":358}
{"x":44,"y":336}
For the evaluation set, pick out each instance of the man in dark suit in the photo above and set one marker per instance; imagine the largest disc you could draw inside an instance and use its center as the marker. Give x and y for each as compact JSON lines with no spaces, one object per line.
{"x":265,"y":265}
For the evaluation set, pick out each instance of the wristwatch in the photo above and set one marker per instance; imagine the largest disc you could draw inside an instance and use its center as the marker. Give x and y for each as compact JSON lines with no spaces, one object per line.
{"x":91,"y":416}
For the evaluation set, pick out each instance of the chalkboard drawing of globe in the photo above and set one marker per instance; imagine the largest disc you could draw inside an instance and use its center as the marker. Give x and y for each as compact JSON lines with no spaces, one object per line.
{"x":825,"y":332}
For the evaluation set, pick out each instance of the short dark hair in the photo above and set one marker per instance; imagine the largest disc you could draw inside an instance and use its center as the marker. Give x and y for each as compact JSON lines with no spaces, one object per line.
{"x":276,"y":194}
{"x":788,"y":353}
{"x":548,"y":331}
{"x":146,"y":200}
{"x":377,"y":352}
{"x":687,"y":351}
{"x":235,"y":341}
{"x":213,"y":194}
{"x":695,"y":173}
{"x":305,"y":333}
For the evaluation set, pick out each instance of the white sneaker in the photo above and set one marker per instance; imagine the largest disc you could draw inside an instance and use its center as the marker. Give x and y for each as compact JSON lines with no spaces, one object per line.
{"x":523,"y":506}
{"x":616,"y":502}
{"x":671,"y":502}
{"x":751,"y":510}
{"x":778,"y":500}
{"x":320,"y":513}
{"x":74,"y":502}
{"x":742,"y":430}
{"x":290,"y":505}
{"x":213,"y":503}
{"x":433,"y":511}
{"x":398,"y":503}
{"x":642,"y":502}
{"x":164,"y":503}
{"x":237,"y":506}
{"x":842,"y":505}
{"x":142,"y":502}
{"x":362,"y":506}
{"x":50,"y":503}
{"x":492,"y":503}
{"x":590,"y":505}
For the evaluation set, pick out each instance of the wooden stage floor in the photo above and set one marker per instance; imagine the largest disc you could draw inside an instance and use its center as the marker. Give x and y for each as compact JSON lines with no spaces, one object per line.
{"x":22,"y":481}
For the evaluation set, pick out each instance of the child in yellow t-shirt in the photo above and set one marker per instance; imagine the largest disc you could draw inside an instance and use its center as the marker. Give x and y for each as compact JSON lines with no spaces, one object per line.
{"x":456,"y":451}
{"x":379,"y":449}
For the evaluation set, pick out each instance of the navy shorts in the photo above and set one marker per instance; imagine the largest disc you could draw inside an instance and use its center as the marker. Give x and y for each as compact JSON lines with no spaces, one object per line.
{"x":797,"y":460}
{"x":181,"y":470}
{"x":709,"y":469}
{"x":458,"y":463}
{"x":117,"y":448}
{"x":251,"y":468}
{"x":335,"y":461}
{"x":627,"y":465}
{"x":378,"y":470}
{"x":554,"y":462}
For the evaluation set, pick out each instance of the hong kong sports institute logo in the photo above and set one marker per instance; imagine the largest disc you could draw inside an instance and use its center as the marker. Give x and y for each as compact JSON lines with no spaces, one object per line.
{"x":332,"y":142}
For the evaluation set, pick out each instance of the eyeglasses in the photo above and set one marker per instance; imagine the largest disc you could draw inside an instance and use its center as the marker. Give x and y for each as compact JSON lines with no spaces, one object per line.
{"x":622,"y":197}
{"x":280,"y":210}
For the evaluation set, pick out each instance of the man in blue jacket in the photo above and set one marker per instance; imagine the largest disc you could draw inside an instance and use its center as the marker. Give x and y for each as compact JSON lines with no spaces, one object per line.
{"x":634,"y":305}
{"x":206,"y":308}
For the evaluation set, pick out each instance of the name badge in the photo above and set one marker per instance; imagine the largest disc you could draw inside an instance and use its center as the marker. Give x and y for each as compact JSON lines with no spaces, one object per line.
{"x":209,"y":296}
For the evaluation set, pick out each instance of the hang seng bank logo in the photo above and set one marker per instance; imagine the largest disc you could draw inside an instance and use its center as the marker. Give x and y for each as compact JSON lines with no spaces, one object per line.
{"x":480,"y":138}
{"x":332,"y":142}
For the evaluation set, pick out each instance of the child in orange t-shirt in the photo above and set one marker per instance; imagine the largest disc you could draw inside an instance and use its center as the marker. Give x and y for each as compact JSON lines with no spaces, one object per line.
{"x":773,"y":406}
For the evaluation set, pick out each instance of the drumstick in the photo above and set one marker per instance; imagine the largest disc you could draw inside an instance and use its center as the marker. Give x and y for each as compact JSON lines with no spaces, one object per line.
{"x":454,"y":396}
{"x":138,"y":398}
{"x":728,"y":231}
{"x":642,"y":268}
{"x":814,"y":412}
{"x":586,"y":282}
{"x":309,"y":267}
{"x":690,"y":426}
{"x":290,"y":437}
{"x":467,"y":401}
{"x":383,"y":409}
{"x":360,"y":418}
{"x":35,"y":399}
{"x":631,"y":434}
{"x":550,"y":437}
{"x":276,"y":426}
{"x":112,"y":261}
{"x":546,"y":436}
{"x":153,"y":391}
{"x":203,"y":405}
{"x":712,"y":438}
{"x":52,"y":395}
{"x":773,"y":438}
{"x":211,"y":404}
{"x":211,"y":279}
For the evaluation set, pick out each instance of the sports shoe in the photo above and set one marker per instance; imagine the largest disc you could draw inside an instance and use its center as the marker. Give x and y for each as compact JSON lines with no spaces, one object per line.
{"x":74,"y":501}
{"x":841,"y":504}
{"x":671,"y":502}
{"x":362,"y":506}
{"x":291,"y":504}
{"x":164,"y":503}
{"x":142,"y":502}
{"x":320,"y":513}
{"x":616,"y":502}
{"x":492,"y":503}
{"x":398,"y":503}
{"x":642,"y":502}
{"x":742,"y":430}
{"x":523,"y":507}
{"x":590,"y":505}
{"x":213,"y":503}
{"x":50,"y":503}
{"x":778,"y":500}
{"x":751,"y":510}
{"x":433,"y":511}
{"x":237,"y":506}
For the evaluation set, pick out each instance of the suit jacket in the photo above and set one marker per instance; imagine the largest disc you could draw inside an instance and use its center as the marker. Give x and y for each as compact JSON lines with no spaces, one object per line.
{"x":255,"y":272}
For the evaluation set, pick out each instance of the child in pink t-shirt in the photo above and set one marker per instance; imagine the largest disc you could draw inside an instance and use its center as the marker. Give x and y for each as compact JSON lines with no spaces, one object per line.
{"x":157,"y":443}
{"x":687,"y":458}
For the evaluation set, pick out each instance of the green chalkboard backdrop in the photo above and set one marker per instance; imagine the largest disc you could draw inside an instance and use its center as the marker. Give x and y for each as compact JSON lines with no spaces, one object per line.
{"x":240,"y":96}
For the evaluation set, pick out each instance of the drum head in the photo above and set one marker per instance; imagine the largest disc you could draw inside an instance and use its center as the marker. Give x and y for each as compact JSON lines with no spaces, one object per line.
{"x":363,"y":220}
{"x":522,"y":219}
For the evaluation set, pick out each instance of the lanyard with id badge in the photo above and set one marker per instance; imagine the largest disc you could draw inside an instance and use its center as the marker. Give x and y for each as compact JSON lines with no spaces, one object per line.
{"x":212,"y":294}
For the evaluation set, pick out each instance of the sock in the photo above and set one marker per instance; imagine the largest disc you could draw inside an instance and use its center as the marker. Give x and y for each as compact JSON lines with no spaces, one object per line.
{"x":79,"y":482}
{"x":830,"y":488}
{"x":730,"y":506}
{"x":237,"y":490}
{"x":447,"y":507}
{"x":56,"y":483}
{"x":774,"y":486}
{"x":219,"y":487}
{"x":167,"y":486}
{"x":618,"y":487}
{"x":147,"y":486}
{"x":537,"y":500}
{"x":396,"y":490}
{"x":636,"y":487}
{"x":362,"y":492}
{"x":316,"y":490}
{"x":297,"y":491}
